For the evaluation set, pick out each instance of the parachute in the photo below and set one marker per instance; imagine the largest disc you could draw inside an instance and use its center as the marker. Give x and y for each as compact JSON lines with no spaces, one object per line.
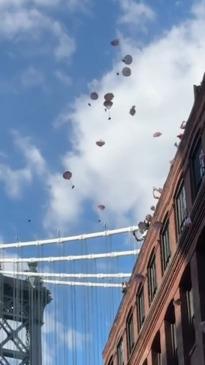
{"x":126,"y":71}
{"x":94,"y":95}
{"x":108,"y":104}
{"x":115,"y":42}
{"x":127,"y":59}
{"x":108,"y":96}
{"x":101,"y":206}
{"x":132,"y":110}
{"x":67,"y":175}
{"x":157,"y":134}
{"x":100,"y":143}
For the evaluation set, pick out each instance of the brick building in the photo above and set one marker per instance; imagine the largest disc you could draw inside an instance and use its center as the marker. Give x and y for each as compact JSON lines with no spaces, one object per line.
{"x":161,"y":319}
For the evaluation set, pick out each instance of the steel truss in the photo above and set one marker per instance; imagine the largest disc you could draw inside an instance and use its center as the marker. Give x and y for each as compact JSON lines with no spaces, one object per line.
{"x":21,"y":317}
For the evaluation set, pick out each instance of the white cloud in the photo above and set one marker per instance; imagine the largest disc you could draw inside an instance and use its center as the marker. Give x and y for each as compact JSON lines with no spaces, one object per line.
{"x":121,"y":173}
{"x":62,"y":203}
{"x":14,"y":180}
{"x":72,"y":4}
{"x":25,"y":23}
{"x":66,"y":45}
{"x":31,"y":153}
{"x":135,"y":13}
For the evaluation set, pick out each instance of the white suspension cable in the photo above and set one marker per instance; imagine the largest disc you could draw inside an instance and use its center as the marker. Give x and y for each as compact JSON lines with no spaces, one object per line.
{"x":69,"y":238}
{"x":69,"y":258}
{"x":64,"y":275}
{"x":76,"y":283}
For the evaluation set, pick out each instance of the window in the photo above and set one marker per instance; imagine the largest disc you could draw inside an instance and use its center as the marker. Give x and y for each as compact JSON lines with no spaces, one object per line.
{"x":165,"y":246}
{"x":140,"y":308}
{"x":170,"y":336}
{"x":130,"y":333}
{"x":152,"y":281}
{"x":187,"y":310}
{"x":156,"y":350}
{"x":198,"y":167}
{"x":181,"y":208}
{"x":120,"y":353}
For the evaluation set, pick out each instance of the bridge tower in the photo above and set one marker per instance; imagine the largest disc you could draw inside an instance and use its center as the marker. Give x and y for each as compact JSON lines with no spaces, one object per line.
{"x":22,"y":303}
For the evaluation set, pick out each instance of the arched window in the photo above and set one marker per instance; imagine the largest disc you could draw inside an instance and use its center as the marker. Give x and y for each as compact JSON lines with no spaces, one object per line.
{"x":130,"y":333}
{"x":140,"y":307}
{"x":200,"y":252}
{"x":152,"y":278}
{"x":156,"y":350}
{"x":120,"y":353}
{"x":197,"y":166}
{"x":187,"y":311}
{"x":165,"y":245}
{"x":171,"y":336}
{"x":181,"y":207}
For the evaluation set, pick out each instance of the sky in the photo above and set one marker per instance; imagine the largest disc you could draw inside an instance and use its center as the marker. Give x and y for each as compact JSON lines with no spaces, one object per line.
{"x":54,"y":53}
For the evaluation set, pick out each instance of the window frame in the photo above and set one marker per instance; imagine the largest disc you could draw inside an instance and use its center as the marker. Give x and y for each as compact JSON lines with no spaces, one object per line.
{"x":120,"y":352}
{"x":152,"y":281}
{"x":188,"y":311}
{"x":196,"y":180}
{"x":130,"y":332}
{"x":165,"y":248}
{"x":140,"y":307}
{"x":171,"y":335}
{"x":156,"y":350}
{"x":181,"y":210}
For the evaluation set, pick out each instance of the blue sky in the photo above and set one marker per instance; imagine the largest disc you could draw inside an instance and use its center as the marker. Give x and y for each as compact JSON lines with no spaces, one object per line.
{"x":53,"y":54}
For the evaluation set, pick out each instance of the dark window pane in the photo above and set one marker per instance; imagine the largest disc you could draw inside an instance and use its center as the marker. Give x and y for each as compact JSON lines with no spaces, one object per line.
{"x":187,"y":310}
{"x":156,"y":350}
{"x":198,"y":167}
{"x":130,"y":333}
{"x":140,"y":308}
{"x":181,"y":208}
{"x":120,"y":353}
{"x":170,"y":336}
{"x":165,"y":246}
{"x":152,"y":282}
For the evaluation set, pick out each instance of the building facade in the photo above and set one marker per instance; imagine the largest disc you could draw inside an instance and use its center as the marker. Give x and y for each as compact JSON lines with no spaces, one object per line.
{"x":161,"y":319}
